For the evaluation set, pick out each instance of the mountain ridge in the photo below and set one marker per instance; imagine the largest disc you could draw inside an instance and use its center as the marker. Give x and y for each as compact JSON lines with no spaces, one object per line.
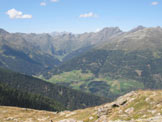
{"x":107,"y":63}
{"x":128,"y":62}
{"x":137,"y":39}
{"x":48,"y":51}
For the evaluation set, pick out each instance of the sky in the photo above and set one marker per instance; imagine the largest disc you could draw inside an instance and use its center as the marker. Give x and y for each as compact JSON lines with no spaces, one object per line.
{"x":78,"y":16}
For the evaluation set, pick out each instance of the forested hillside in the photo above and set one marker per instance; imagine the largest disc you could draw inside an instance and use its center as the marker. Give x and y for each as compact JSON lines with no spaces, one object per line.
{"x":69,"y":98}
{"x":13,"y":97}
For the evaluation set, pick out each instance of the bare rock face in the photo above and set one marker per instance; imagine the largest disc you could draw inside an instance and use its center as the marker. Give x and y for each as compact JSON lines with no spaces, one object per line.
{"x":129,"y":110}
{"x":121,"y":101}
{"x":104,"y":110}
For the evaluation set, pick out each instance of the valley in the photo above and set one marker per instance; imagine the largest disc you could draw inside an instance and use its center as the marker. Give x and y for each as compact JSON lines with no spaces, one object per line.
{"x":32,"y":89}
{"x":107,"y":63}
{"x":78,"y":72}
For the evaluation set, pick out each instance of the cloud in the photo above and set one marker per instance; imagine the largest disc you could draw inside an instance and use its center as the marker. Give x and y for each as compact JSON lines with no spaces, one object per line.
{"x":14,"y":14}
{"x":88,"y":15}
{"x":98,"y":29}
{"x":43,"y":4}
{"x":54,"y":1}
{"x":155,"y":3}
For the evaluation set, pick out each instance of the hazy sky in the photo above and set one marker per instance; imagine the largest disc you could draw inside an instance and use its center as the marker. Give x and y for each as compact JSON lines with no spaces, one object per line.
{"x":78,"y":16}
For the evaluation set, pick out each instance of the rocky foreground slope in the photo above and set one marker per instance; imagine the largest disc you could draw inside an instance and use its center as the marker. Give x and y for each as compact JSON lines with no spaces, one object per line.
{"x":139,"y":106}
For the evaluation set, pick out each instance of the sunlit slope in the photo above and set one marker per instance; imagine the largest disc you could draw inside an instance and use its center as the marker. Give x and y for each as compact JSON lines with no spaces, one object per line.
{"x":140,"y":106}
{"x":132,"y":60}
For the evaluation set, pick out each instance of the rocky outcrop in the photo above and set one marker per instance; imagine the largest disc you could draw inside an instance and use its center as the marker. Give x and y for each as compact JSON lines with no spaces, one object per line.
{"x":121,"y":101}
{"x":139,"y":106}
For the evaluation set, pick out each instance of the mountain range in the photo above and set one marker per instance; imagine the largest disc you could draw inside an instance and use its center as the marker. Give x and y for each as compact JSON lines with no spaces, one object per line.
{"x":125,"y":62}
{"x":40,"y":52}
{"x":107,"y":63}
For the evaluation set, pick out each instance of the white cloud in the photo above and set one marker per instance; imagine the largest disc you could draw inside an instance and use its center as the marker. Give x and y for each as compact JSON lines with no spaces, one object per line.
{"x":14,"y":14}
{"x":88,"y":15}
{"x":43,"y":4}
{"x":54,"y":1}
{"x":98,"y":29}
{"x":155,"y":3}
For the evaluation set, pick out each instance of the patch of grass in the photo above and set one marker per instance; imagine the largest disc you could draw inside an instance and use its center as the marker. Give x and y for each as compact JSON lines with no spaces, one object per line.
{"x":8,"y":56}
{"x":140,"y":107}
{"x":140,"y":104}
{"x":121,"y":86}
{"x":75,"y":76}
{"x":40,"y":77}
{"x":156,"y":54}
{"x":76,"y":79}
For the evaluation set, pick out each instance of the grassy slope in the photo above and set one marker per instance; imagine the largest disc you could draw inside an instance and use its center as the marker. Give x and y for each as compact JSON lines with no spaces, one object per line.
{"x":102,"y":86}
{"x":145,"y":104}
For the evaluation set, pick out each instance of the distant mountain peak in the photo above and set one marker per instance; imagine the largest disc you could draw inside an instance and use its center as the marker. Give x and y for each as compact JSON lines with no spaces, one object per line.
{"x":140,"y":27}
{"x":60,"y":33}
{"x":158,"y":28}
{"x":2,"y":31}
{"x":108,"y":29}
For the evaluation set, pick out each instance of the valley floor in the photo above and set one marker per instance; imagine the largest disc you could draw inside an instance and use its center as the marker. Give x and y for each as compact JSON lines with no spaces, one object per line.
{"x":139,"y":106}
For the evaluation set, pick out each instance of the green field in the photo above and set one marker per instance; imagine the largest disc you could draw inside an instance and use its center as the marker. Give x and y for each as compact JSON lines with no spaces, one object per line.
{"x":101,"y":86}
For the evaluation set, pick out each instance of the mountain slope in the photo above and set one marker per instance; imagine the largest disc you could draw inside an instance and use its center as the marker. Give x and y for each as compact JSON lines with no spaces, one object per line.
{"x":139,"y":106}
{"x":20,"y":55}
{"x":129,"y":61}
{"x":33,"y":53}
{"x":13,"y":97}
{"x":136,"y":39}
{"x":69,"y":98}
